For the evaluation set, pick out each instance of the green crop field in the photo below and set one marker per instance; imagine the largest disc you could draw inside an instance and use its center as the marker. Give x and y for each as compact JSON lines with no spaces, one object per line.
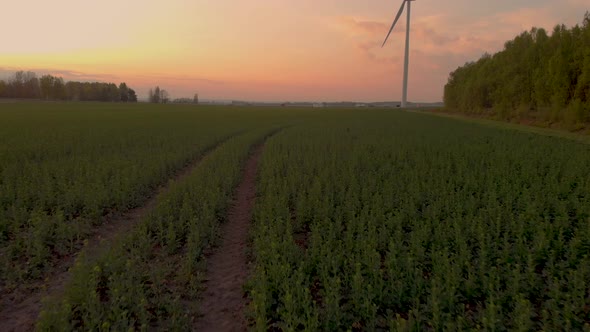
{"x":364,"y":220}
{"x":395,"y":221}
{"x":64,"y":168}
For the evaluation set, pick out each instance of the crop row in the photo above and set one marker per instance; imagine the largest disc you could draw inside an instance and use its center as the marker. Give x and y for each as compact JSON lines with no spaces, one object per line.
{"x":151,"y":277}
{"x":63,"y":171}
{"x":397,"y":221}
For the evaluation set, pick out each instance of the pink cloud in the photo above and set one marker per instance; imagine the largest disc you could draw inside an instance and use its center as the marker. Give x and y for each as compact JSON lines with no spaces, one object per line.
{"x":368,"y":48}
{"x":435,"y":51}
{"x":359,"y":26}
{"x":427,"y":35}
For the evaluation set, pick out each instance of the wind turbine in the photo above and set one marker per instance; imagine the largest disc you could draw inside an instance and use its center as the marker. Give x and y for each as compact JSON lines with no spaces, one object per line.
{"x":407,"y":57}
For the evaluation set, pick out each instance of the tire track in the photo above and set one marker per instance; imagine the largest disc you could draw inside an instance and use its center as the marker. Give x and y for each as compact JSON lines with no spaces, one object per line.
{"x":223,"y":300}
{"x":21,"y":314}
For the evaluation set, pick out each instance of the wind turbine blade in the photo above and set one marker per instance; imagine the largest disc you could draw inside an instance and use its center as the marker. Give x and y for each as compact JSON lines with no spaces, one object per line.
{"x":401,"y":10}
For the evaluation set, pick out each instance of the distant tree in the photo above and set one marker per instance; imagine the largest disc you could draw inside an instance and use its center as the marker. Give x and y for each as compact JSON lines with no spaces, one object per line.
{"x":26,"y":85}
{"x":3,"y":88}
{"x":154,"y":95}
{"x":547,"y":76}
{"x":73,"y":91}
{"x":196,"y":98}
{"x":123,"y":92}
{"x":158,"y":96}
{"x":23,"y":85}
{"x":114,"y":94}
{"x":16,"y":85}
{"x":46,"y":84}
{"x":59,"y":89}
{"x":31,"y":88}
{"x":164,"y":97}
{"x":131,"y":96}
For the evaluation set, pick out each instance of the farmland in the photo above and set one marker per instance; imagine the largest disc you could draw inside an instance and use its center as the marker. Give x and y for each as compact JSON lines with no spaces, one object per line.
{"x":363,"y":219}
{"x":406,"y":222}
{"x":63,"y":170}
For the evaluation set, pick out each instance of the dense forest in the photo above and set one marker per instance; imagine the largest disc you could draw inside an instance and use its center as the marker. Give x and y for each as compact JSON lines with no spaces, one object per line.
{"x":26,"y":85}
{"x":539,"y":77}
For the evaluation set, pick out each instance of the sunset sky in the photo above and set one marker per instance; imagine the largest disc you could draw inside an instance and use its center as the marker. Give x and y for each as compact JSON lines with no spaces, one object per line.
{"x":271,"y":50}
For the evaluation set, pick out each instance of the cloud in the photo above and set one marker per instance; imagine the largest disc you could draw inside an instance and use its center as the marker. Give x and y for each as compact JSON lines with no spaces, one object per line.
{"x":579,"y":3}
{"x":438,"y":46}
{"x":181,"y":78}
{"x":427,"y":35}
{"x":433,"y":37}
{"x":87,"y":77}
{"x":367,"y":50}
{"x":66,"y":74}
{"x":358,"y":26}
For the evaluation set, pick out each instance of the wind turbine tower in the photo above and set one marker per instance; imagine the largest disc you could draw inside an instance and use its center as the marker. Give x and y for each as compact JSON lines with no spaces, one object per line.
{"x":407,"y":54}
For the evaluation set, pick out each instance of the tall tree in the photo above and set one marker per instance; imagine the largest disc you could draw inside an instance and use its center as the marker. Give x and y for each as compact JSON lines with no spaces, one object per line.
{"x":46,"y":84}
{"x":536,"y":75}
{"x":26,"y":85}
{"x":155,"y":95}
{"x":30,"y":85}
{"x":164,"y":97}
{"x":131,"y":96}
{"x":59,"y":89}
{"x":124,"y":92}
{"x":2,"y":88}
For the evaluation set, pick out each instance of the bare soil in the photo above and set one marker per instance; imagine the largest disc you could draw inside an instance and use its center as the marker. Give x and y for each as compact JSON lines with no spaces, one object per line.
{"x":301,"y":233}
{"x":20,"y":310}
{"x":223,"y":300}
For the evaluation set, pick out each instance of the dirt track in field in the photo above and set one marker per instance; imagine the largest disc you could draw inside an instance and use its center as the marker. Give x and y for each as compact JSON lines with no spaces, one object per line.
{"x":223,"y":300}
{"x":19,"y":312}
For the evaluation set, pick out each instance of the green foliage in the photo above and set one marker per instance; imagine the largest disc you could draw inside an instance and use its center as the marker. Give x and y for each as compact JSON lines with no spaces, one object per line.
{"x":48,"y":87}
{"x":145,"y":280}
{"x":535,"y":76}
{"x":65,"y":168}
{"x":398,"y":221}
{"x":372,"y":220}
{"x":3,"y":88}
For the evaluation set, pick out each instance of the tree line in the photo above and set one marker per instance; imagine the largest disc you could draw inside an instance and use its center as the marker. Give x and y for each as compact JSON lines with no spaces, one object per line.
{"x":161,"y":96}
{"x":27,"y":85}
{"x":537,"y":75}
{"x":158,"y":96}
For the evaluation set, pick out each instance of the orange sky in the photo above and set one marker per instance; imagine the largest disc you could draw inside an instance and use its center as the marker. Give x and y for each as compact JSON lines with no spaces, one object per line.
{"x":265,"y":49}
